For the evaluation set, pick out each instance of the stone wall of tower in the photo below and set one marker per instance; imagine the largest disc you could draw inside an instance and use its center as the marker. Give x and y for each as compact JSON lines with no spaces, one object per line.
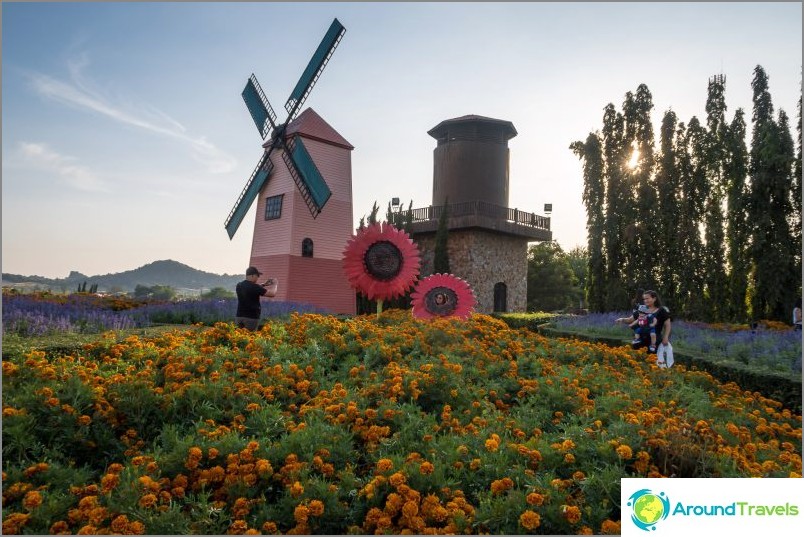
{"x":483,"y":259}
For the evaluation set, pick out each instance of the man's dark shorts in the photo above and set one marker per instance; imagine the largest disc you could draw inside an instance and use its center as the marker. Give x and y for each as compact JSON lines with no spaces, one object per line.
{"x":247,"y":322}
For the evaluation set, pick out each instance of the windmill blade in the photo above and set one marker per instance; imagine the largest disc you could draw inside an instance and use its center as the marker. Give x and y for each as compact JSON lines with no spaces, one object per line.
{"x":314,"y":69}
{"x":313,"y":188}
{"x":258,"y":106}
{"x":255,"y":183}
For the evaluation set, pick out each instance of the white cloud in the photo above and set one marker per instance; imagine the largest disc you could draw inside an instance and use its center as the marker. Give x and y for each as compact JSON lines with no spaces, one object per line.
{"x":74,"y":174}
{"x":79,"y":92}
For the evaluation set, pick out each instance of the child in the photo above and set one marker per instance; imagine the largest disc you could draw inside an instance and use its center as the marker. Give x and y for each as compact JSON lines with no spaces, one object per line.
{"x":644,"y":324}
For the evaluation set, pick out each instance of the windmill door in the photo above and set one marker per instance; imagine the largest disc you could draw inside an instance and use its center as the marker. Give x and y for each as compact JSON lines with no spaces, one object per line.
{"x":500,"y":297}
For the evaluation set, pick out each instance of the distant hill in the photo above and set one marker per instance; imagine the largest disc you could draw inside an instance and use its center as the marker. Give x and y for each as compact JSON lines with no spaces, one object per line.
{"x":170,"y":273}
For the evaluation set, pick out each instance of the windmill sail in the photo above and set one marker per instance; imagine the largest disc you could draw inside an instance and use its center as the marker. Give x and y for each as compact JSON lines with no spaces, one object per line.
{"x":313,"y":188}
{"x":255,"y":183}
{"x":258,"y":106}
{"x":317,"y":63}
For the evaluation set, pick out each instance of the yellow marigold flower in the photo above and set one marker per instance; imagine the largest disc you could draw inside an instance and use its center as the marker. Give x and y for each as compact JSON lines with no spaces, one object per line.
{"x":624,"y":452}
{"x":534,"y":498}
{"x":32,"y":500}
{"x":530,"y":520}
{"x":316,"y":508}
{"x":426,"y":468}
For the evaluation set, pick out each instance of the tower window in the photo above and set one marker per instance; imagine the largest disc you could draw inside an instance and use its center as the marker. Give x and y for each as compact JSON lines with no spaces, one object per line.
{"x":273,"y":207}
{"x":307,"y":247}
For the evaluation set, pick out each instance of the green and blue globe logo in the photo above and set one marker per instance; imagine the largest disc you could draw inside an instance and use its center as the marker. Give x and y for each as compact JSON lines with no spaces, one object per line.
{"x":647,"y":508}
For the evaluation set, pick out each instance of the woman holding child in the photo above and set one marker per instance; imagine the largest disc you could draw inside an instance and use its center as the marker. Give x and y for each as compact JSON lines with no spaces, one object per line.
{"x":661,"y":313}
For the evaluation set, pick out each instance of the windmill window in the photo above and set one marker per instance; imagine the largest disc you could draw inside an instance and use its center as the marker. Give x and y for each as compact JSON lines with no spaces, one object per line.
{"x":307,"y":247}
{"x":273,"y":207}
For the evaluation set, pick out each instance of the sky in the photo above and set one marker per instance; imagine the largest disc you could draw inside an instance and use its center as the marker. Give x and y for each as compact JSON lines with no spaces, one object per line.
{"x":125,"y":139}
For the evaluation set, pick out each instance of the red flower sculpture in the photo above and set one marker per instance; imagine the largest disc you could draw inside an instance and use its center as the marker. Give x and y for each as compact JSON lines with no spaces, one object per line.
{"x":381,"y":262}
{"x":442,"y":295}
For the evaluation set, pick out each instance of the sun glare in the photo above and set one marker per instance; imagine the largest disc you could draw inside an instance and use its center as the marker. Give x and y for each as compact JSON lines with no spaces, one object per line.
{"x":633,"y":162}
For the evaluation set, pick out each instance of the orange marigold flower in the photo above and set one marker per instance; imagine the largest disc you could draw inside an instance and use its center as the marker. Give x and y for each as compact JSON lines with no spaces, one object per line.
{"x":136,"y":528}
{"x":269,"y":527}
{"x":492,"y":445}
{"x":194,"y":452}
{"x":426,"y":468}
{"x":212,"y":453}
{"x":84,"y":420}
{"x":396,"y":479}
{"x":572,"y":513}
{"x":301,"y":514}
{"x":89,"y":529}
{"x":120,"y":524}
{"x":410,"y":509}
{"x":32,"y":500}
{"x":624,"y":451}
{"x":384,"y":465}
{"x":530,"y":520}
{"x":149,"y":500}
{"x":296,"y":489}
{"x":238,"y":527}
{"x":475,"y":464}
{"x":108,"y":482}
{"x":609,"y":527}
{"x":60,"y":528}
{"x":316,"y":508}
{"x":534,"y":498}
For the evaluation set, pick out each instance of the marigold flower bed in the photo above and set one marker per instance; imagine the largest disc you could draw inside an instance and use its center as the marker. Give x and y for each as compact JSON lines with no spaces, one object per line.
{"x":363,"y":425}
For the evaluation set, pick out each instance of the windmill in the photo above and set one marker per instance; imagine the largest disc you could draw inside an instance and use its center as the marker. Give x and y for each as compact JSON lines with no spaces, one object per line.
{"x":311,"y":185}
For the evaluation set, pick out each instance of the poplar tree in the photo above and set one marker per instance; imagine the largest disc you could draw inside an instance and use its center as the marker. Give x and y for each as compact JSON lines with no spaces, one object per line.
{"x":591,"y":153}
{"x":739,"y":231}
{"x":795,"y":191}
{"x":647,"y":241}
{"x":617,"y":194}
{"x":669,"y":257}
{"x":714,"y":254}
{"x":691,"y":149}
{"x":770,"y":169}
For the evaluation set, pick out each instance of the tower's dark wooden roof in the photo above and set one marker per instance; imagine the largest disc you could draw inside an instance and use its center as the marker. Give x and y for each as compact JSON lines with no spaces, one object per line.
{"x":439,"y":130}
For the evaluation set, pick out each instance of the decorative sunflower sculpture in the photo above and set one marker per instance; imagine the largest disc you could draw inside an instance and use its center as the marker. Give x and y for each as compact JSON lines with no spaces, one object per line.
{"x":442,"y":295}
{"x":381,"y":262}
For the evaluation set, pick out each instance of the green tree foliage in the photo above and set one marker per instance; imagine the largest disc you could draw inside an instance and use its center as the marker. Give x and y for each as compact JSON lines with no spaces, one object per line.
{"x":714,"y":252}
{"x":668,"y":260}
{"x":594,"y":192}
{"x":617,"y":208}
{"x":771,"y":167}
{"x":578,"y":259}
{"x":217,"y":293}
{"x":155,"y":292}
{"x":440,"y":252}
{"x":550,"y":278}
{"x":716,"y":228}
{"x":739,"y":232}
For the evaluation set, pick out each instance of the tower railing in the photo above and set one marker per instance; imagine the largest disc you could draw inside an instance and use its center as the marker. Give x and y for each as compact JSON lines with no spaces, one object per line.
{"x":474,"y":208}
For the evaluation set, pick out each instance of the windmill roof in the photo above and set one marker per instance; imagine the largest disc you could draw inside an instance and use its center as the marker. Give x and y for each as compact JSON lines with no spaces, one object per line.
{"x":310,"y":125}
{"x":439,"y":129}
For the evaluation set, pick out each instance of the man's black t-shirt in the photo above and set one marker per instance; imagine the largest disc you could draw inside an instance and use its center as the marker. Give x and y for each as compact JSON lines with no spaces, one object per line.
{"x":248,"y":299}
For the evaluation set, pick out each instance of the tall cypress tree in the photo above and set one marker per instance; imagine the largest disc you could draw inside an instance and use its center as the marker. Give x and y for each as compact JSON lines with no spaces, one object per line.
{"x":617,"y":194}
{"x":692,"y":182}
{"x":440,"y":253}
{"x":769,"y":208}
{"x":668,"y":257}
{"x":714,"y":271}
{"x":642,"y":177}
{"x":795,"y":191}
{"x":591,"y":153}
{"x":735,"y":172}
